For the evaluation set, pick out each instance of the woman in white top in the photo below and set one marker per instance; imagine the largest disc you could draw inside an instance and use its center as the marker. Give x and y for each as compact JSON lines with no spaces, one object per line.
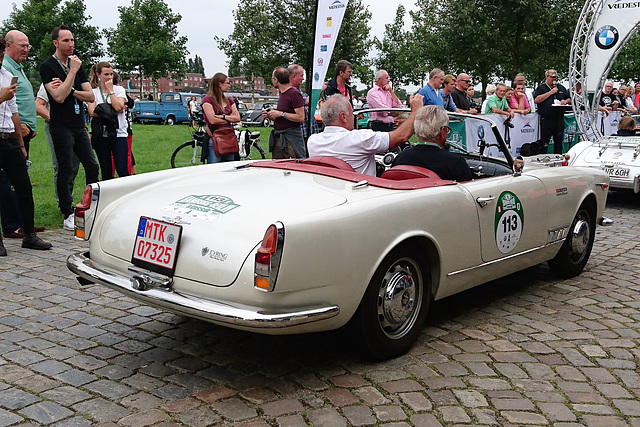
{"x":108,"y":143}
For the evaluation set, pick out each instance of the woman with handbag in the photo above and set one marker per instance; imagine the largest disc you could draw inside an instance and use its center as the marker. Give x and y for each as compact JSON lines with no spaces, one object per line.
{"x":108,"y":124}
{"x":219,"y":114}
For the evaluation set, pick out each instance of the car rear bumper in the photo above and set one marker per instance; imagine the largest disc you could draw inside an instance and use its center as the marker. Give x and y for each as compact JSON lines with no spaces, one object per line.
{"x":632,"y":183}
{"x":244,"y":317}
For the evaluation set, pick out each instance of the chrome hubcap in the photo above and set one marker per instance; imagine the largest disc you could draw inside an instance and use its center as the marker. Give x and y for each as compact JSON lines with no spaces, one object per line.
{"x":580,"y":238}
{"x":399,"y":298}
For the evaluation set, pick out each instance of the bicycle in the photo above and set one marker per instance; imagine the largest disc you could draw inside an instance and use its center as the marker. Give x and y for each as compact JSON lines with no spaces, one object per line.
{"x":189,"y":153}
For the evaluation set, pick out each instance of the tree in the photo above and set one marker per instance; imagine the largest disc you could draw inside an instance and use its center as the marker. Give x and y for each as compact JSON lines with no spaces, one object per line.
{"x":146,"y":40}
{"x":424,"y":43}
{"x":394,"y":50}
{"x":265,"y":37}
{"x":38,"y":18}
{"x":196,"y":65}
{"x":626,"y":67}
{"x":496,"y":39}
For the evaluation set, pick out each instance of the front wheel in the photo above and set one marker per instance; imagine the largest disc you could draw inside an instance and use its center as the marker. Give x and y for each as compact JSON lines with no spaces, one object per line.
{"x":255,"y":152}
{"x":266,"y":122}
{"x":170,"y":120}
{"x":187,"y":154}
{"x":575,"y":251}
{"x":394,"y":306}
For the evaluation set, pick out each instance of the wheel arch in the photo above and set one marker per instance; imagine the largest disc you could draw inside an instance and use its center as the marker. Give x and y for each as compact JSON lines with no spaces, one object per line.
{"x":428,"y":257}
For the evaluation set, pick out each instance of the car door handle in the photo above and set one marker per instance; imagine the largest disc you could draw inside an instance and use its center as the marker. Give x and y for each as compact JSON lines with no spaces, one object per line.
{"x":484,"y":201}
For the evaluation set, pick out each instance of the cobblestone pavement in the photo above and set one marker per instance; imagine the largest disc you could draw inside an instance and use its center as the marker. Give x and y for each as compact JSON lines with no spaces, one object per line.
{"x":525,"y":350}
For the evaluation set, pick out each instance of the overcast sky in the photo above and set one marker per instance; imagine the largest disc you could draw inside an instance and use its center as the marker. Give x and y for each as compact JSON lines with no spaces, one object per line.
{"x":204,"y":19}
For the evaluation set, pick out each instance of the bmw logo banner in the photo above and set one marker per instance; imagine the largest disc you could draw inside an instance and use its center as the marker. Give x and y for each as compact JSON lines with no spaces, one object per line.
{"x":606,"y":33}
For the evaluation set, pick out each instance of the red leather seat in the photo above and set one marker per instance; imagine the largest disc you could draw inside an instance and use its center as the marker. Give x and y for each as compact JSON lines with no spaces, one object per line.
{"x":403,"y":172}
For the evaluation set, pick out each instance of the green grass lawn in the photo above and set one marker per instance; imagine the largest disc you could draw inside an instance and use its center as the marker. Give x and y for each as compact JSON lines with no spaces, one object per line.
{"x":152,"y":147}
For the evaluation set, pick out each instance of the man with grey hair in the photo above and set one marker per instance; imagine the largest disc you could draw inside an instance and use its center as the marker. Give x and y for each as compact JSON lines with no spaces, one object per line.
{"x":432,"y":127}
{"x":430,"y":91}
{"x":381,"y":95}
{"x":15,"y":54}
{"x":357,"y":147}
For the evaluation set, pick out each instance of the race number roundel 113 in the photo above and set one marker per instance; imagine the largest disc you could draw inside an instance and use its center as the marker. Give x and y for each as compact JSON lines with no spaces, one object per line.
{"x":509,"y":222}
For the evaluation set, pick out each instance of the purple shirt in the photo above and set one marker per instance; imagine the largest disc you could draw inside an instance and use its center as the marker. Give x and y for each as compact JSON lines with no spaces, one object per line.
{"x":288,"y":102}
{"x":380,"y":98}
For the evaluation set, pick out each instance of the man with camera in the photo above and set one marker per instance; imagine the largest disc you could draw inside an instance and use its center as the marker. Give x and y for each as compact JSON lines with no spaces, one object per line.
{"x":551,"y":99}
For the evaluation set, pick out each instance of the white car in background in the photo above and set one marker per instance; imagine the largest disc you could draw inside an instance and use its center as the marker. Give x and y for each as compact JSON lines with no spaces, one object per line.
{"x":617,"y":156}
{"x":299,"y":246}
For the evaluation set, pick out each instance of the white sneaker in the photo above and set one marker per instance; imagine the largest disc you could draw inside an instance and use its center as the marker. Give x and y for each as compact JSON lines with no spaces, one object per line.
{"x":69,"y":223}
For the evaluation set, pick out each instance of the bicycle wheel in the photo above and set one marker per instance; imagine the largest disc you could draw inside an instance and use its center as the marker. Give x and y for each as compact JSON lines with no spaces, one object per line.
{"x":187,"y":154}
{"x":255,"y":152}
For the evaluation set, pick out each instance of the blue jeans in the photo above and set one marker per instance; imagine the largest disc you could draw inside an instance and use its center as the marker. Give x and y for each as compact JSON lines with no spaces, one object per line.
{"x":66,"y":142}
{"x":119,"y":149}
{"x":212,"y":158}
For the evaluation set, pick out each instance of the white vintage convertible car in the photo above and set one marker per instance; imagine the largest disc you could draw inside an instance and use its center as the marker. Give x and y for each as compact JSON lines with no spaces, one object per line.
{"x":616,"y":155}
{"x":297,"y":246}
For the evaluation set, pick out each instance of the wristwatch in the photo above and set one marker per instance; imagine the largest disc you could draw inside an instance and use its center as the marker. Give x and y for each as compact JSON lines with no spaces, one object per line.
{"x":72,"y":90}
{"x":283,"y":113}
{"x":224,"y":117}
{"x":112,"y":93}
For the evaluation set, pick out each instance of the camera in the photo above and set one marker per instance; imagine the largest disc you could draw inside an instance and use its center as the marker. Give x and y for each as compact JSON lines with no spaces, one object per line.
{"x":473,"y":104}
{"x":508,"y":124}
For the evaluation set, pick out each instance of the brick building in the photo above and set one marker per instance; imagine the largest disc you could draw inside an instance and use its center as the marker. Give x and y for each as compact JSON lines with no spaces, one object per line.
{"x":190,"y":82}
{"x":245,"y":85}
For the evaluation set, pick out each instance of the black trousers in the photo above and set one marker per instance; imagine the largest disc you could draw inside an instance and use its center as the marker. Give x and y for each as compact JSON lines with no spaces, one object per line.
{"x":14,"y":165}
{"x":66,"y":142}
{"x":552,"y":127}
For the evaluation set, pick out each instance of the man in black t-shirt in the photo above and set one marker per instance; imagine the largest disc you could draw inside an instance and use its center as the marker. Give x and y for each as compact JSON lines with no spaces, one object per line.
{"x":608,"y":101}
{"x":67,"y":87}
{"x":459,"y":94}
{"x":552,"y":100}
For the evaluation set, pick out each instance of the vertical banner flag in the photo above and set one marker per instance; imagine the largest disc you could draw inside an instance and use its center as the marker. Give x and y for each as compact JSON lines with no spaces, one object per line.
{"x":328,"y":22}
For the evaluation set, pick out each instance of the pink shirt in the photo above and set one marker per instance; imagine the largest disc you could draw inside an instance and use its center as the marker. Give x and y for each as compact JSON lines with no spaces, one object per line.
{"x":380,"y":98}
{"x":513,"y":102}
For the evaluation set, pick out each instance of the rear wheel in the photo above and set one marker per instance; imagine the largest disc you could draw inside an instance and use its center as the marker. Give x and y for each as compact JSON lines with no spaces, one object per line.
{"x":187,"y":154}
{"x":575,"y":251}
{"x":394,"y":306}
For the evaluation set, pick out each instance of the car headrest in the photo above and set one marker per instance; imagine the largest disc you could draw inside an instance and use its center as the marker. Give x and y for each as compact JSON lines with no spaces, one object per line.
{"x":402,"y":172}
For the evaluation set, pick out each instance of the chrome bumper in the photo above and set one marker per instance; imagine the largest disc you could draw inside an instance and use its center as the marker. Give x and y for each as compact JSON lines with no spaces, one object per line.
{"x":632,"y":183}
{"x":211,"y":311}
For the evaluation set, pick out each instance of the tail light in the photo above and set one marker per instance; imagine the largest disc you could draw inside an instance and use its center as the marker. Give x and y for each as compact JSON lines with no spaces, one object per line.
{"x":268,"y":257}
{"x":565,"y":162}
{"x":81,"y":208}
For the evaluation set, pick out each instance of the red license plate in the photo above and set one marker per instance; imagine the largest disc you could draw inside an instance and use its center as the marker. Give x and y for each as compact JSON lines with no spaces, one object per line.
{"x":156,"y":246}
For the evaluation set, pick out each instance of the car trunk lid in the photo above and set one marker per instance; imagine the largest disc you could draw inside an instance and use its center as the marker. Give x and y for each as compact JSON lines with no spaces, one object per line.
{"x":223,"y":216}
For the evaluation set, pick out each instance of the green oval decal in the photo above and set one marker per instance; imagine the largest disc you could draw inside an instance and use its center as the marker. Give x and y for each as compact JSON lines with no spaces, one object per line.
{"x":509,"y":222}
